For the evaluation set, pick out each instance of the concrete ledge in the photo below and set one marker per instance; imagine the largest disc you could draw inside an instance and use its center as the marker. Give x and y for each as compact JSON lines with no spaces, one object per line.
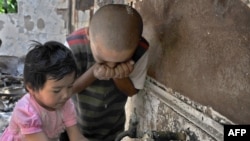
{"x":197,"y":114}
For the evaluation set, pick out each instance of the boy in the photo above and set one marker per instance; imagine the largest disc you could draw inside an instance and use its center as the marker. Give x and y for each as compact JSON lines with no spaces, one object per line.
{"x":111,"y":57}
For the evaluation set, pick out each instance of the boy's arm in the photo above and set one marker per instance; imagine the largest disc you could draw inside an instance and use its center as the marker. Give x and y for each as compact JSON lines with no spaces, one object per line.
{"x":132,"y":84}
{"x":128,"y":85}
{"x":75,"y":134}
{"x":125,"y":85}
{"x":87,"y":78}
{"x":84,"y":80}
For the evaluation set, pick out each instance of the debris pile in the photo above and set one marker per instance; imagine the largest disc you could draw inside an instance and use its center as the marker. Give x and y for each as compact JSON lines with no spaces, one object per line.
{"x":11,"y":89}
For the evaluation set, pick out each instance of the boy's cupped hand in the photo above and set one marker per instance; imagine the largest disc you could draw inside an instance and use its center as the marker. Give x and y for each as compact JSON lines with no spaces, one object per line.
{"x":121,"y":70}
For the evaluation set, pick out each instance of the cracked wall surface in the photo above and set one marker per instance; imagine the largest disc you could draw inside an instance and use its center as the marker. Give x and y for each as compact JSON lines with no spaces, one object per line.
{"x":161,"y":109}
{"x":199,"y":49}
{"x":156,"y":116}
{"x":202,"y":51}
{"x":83,"y":10}
{"x":36,"y":20}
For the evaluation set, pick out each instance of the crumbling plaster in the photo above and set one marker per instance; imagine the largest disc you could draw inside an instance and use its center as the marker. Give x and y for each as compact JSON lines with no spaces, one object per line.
{"x":40,"y":20}
{"x":202,"y":51}
{"x":199,"y":49}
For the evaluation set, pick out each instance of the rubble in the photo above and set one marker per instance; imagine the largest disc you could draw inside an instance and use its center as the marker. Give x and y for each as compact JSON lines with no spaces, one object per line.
{"x":11,"y":87}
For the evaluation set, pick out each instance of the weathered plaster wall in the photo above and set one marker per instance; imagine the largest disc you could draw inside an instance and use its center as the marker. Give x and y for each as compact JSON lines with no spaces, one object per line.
{"x":82,"y":10}
{"x":40,"y":20}
{"x":161,"y":109}
{"x":202,"y":51}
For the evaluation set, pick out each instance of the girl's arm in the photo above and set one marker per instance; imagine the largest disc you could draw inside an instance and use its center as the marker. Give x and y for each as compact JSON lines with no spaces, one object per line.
{"x":40,"y":136}
{"x":75,"y":134}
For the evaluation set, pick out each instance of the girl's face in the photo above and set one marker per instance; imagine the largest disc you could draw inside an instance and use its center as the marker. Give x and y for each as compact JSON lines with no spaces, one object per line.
{"x":54,"y":94}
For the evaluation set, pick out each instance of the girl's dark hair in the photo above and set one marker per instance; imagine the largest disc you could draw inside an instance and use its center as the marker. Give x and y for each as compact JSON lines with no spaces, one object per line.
{"x":49,"y":60}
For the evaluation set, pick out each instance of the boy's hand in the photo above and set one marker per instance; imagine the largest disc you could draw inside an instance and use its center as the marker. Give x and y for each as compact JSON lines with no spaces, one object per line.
{"x":103,"y":72}
{"x":123,"y":70}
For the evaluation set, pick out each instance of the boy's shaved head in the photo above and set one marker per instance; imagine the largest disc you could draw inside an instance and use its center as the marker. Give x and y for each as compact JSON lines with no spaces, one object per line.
{"x":116,"y":27}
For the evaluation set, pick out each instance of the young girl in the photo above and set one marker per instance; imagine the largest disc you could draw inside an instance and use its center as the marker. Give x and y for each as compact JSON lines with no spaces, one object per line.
{"x":46,"y":110}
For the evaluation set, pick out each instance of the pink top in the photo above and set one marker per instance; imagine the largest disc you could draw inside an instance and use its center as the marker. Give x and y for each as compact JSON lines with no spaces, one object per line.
{"x":29,"y":117}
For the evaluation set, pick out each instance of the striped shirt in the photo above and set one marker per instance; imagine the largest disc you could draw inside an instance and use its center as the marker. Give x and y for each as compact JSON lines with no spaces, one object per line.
{"x":100,"y":107}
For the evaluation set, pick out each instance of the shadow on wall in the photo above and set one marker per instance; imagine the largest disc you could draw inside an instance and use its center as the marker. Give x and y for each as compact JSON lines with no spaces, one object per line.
{"x":201,"y":50}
